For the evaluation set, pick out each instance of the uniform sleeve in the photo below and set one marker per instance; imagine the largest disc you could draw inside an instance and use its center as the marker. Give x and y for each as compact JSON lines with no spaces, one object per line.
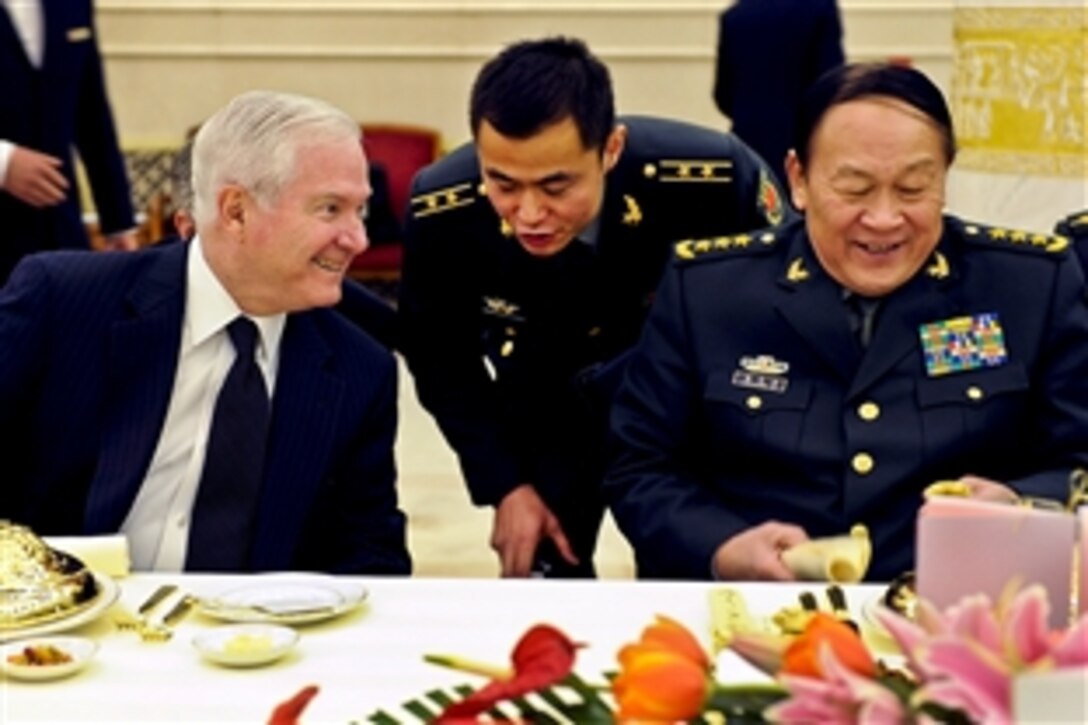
{"x":760,"y":201}
{"x":1062,"y":382}
{"x":674,"y":523}
{"x":440,"y":335}
{"x":96,"y":140}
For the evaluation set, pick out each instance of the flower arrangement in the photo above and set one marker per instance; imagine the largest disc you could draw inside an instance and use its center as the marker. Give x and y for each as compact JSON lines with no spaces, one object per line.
{"x":959,"y":669}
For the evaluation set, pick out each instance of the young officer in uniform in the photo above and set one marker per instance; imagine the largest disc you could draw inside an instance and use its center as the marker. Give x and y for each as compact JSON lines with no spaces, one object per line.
{"x":531,"y":259}
{"x":796,"y":381}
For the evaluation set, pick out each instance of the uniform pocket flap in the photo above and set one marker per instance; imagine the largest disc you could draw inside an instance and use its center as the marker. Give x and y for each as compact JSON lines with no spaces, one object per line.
{"x":974,"y":386}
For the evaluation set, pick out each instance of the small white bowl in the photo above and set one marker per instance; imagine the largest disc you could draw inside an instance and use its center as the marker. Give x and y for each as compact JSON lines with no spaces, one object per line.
{"x":245,"y":645}
{"x":80,"y":650}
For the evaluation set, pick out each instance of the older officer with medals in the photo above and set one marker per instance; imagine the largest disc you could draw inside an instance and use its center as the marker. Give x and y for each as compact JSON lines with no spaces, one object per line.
{"x":794,"y":382}
{"x":531,"y":258}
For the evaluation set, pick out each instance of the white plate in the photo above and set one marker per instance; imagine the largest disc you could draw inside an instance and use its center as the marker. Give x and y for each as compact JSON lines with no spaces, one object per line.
{"x":245,"y":645}
{"x":80,"y":649}
{"x":285,"y":601}
{"x":87,"y":612}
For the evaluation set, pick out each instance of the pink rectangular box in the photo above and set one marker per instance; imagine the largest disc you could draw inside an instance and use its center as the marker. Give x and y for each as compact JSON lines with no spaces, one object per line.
{"x":969,"y":547}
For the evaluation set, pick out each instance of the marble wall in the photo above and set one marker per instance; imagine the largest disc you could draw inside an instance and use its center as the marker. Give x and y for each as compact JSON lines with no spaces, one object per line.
{"x":172,"y":62}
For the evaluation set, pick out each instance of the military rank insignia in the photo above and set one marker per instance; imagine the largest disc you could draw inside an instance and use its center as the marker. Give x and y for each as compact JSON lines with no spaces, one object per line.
{"x":963,"y":343}
{"x":762,"y":372}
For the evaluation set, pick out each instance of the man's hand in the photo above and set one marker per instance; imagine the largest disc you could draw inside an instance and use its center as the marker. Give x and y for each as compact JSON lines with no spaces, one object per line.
{"x":126,"y":241}
{"x":35,"y":178}
{"x":522,"y":520}
{"x":755,"y":554}
{"x":985,"y":489}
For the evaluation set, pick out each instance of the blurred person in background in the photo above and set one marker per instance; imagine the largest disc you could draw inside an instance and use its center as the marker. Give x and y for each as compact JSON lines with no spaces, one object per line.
{"x":53,"y":99}
{"x":769,"y":53}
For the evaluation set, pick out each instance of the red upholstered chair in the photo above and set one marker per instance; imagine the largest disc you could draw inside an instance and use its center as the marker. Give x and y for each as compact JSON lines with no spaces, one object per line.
{"x":401,"y":151}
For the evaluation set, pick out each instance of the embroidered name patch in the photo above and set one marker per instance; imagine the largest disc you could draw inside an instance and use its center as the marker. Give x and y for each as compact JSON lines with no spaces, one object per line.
{"x":963,"y":343}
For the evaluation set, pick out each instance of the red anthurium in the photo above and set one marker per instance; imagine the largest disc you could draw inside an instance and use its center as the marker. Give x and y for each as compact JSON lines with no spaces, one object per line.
{"x":289,"y":711}
{"x":542,"y":657}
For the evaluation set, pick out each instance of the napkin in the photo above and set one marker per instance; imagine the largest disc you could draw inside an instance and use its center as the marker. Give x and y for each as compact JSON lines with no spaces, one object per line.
{"x":841,"y":559}
{"x":106,"y":554}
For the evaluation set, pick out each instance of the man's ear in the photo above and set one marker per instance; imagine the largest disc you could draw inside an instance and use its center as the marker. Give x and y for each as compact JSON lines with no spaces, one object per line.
{"x":796,"y":175}
{"x":614,"y":145}
{"x":232,"y":204}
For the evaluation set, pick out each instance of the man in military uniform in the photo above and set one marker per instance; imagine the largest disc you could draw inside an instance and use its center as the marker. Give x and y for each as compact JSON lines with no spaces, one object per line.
{"x":531,"y":259}
{"x":794,"y":382}
{"x":1075,"y":227}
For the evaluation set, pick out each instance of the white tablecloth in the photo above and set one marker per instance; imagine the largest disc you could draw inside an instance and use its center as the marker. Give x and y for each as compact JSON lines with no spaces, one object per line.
{"x":371,"y":657}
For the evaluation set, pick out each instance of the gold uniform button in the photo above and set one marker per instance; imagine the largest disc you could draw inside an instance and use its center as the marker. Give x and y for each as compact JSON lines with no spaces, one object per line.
{"x":507,"y":348}
{"x":869,"y":411}
{"x":754,"y":402}
{"x":649,"y":171}
{"x":975,"y":393}
{"x":863,"y":464}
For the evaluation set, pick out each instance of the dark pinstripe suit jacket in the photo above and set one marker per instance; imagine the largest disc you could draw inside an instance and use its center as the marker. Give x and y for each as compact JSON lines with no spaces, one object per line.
{"x":88,"y":355}
{"x":53,"y":109}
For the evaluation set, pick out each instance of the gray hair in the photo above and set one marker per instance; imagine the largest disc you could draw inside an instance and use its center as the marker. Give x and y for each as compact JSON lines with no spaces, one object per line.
{"x":252,"y":142}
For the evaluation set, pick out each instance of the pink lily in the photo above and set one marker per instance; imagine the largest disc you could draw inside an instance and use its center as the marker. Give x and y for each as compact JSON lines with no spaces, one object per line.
{"x":966,"y":658}
{"x":839,"y":696}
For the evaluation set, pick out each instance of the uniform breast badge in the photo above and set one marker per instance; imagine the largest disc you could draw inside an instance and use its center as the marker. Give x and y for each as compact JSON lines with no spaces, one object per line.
{"x":762,"y":372}
{"x":963,"y":343}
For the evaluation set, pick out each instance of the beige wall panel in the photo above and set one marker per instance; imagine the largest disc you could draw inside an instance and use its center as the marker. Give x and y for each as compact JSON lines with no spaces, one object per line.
{"x":171,"y":62}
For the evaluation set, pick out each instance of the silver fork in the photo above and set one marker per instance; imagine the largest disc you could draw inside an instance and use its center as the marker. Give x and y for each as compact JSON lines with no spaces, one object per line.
{"x":126,"y":621}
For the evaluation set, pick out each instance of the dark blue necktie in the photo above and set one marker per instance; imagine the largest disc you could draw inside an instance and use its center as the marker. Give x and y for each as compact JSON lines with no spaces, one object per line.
{"x":222,"y":519}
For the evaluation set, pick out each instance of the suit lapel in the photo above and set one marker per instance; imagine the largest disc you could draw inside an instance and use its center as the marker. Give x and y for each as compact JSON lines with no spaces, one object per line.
{"x":304,"y":414}
{"x":139,"y":377}
{"x":811,"y":303}
{"x":924,"y":299}
{"x":10,"y":36}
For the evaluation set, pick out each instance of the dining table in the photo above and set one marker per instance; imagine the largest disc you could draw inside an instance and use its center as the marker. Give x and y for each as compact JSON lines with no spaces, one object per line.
{"x":371,"y":655}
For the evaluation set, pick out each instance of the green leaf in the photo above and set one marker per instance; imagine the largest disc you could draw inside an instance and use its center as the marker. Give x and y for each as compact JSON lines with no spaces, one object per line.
{"x":741,"y":704}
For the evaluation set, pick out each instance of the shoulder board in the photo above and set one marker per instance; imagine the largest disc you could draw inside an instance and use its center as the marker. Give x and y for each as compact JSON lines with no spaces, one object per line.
{"x":689,"y":171}
{"x":1015,"y":239}
{"x":715,"y":247}
{"x":439,"y":201}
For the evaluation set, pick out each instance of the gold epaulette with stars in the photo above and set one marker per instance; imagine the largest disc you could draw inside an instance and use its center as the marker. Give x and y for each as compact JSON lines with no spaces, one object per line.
{"x":445,"y":199}
{"x":1016,"y":239}
{"x":689,"y":249}
{"x":706,"y":171}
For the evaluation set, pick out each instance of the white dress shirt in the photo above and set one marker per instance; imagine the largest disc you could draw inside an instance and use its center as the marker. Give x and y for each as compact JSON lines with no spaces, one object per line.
{"x":29,"y":22}
{"x":157,"y":525}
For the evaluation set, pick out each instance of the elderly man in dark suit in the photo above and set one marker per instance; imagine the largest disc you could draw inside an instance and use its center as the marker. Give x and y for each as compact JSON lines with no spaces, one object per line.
{"x":196,"y":396}
{"x":53,"y":98}
{"x":769,"y":52}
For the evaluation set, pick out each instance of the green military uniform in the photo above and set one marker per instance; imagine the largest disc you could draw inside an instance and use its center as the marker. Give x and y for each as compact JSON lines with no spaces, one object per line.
{"x":760,"y":403}
{"x":509,"y":351}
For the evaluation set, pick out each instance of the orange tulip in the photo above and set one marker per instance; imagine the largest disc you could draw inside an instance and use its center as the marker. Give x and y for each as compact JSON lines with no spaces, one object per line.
{"x":802,"y":655}
{"x":663,"y":676}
